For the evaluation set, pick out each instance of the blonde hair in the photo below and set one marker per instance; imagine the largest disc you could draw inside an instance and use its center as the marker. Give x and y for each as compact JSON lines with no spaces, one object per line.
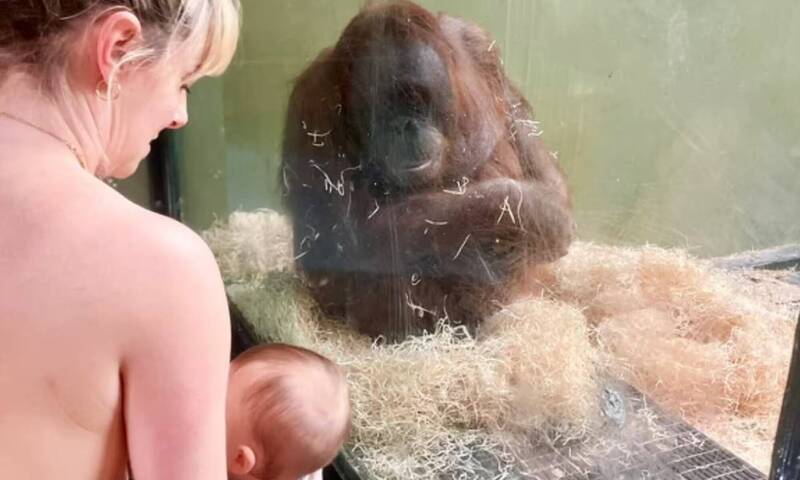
{"x":37,"y":39}
{"x":286,"y":412}
{"x":35,"y":35}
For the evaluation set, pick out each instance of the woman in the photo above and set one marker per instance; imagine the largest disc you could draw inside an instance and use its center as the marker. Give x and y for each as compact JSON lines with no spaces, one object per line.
{"x":114,"y":334}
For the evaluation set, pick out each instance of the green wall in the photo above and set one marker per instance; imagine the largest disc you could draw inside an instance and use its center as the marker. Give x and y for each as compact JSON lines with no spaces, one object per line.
{"x":677,"y":122}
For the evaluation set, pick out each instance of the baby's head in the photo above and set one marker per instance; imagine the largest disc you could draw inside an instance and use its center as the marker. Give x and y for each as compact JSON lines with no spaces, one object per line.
{"x":288,"y":413}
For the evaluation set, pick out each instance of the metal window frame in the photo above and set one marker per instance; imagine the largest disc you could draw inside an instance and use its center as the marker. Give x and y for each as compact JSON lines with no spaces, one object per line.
{"x":786,"y":451}
{"x":164,"y":178}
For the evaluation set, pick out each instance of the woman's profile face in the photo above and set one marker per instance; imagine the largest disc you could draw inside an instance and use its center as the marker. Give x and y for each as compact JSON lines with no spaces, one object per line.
{"x":151,"y":99}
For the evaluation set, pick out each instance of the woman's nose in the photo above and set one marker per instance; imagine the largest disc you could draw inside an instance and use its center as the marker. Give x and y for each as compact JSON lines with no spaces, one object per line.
{"x":181,"y":117}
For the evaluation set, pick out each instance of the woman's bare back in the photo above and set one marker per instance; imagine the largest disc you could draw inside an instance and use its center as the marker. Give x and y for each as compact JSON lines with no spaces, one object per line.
{"x":60,"y":391}
{"x":80,"y":267}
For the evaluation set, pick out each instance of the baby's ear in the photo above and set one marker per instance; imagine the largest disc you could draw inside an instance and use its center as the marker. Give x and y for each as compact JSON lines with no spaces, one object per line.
{"x":244,"y":461}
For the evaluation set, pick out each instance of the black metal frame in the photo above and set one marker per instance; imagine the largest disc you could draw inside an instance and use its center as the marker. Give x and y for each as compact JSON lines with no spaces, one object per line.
{"x":786,"y":452}
{"x":164,"y":178}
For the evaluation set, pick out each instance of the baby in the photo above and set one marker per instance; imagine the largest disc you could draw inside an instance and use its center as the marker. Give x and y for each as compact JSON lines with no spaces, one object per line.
{"x":288,"y":413}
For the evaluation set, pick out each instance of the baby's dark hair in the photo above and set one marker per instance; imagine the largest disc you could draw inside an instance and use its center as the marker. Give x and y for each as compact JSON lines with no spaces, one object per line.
{"x":301,"y":400}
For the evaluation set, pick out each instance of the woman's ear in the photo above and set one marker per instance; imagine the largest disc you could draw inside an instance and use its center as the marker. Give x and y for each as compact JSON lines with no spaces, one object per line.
{"x":117,"y":34}
{"x":243,"y":461}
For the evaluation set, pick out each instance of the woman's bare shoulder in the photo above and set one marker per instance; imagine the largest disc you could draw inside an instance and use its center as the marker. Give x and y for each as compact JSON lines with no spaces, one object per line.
{"x":150,"y":242}
{"x":166,"y":269}
{"x":150,"y":237}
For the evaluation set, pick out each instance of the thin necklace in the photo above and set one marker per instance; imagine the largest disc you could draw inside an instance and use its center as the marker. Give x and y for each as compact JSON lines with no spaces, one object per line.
{"x":71,"y":147}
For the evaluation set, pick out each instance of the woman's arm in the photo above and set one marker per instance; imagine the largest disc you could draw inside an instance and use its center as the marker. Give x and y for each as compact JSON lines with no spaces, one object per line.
{"x":175,"y":368}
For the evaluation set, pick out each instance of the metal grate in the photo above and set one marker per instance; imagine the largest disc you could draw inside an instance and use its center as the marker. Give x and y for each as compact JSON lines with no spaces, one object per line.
{"x":638,"y":442}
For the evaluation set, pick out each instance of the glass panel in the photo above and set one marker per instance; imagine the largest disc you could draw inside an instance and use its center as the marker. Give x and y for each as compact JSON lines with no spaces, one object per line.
{"x":414,"y":203}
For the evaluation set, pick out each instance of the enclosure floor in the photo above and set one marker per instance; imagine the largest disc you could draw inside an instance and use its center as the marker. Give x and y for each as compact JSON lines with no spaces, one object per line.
{"x":637,"y":442}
